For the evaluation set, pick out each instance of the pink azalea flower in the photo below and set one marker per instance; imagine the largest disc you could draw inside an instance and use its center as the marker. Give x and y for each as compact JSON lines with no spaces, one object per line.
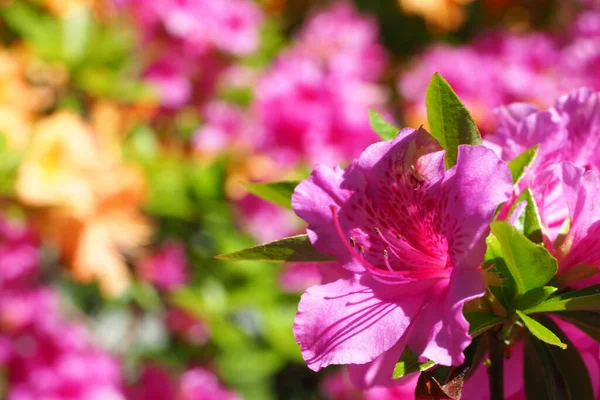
{"x":581,"y":245}
{"x":568,"y":131}
{"x":564,"y":176}
{"x":413,"y":236}
{"x":167,"y":268}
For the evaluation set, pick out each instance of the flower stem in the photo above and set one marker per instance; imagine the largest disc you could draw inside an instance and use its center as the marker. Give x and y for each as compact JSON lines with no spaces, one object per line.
{"x":496,"y":370}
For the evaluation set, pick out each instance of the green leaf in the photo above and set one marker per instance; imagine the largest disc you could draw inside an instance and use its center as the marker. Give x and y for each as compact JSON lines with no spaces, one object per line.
{"x":279,"y":193}
{"x":449,"y":120}
{"x":529,"y":222}
{"x":496,"y":274}
{"x":552,"y":373}
{"x":295,"y":248}
{"x":535,"y":297}
{"x":409,"y":363}
{"x":384,"y":129}
{"x":479,"y":322}
{"x":530,"y":265}
{"x":540,"y":331}
{"x":586,"y":321}
{"x":587,"y":299}
{"x":518,"y":164}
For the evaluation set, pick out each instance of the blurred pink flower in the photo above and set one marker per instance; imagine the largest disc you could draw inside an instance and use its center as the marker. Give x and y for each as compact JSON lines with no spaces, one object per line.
{"x":397,"y":220}
{"x":167,"y":267}
{"x":225,"y":125}
{"x":189,"y":327}
{"x":194,"y":384}
{"x":309,"y":115}
{"x":344,"y":41}
{"x":265,"y":221}
{"x":46,"y":356}
{"x":19,"y":256}
{"x":192,"y":39}
{"x":497,"y":68}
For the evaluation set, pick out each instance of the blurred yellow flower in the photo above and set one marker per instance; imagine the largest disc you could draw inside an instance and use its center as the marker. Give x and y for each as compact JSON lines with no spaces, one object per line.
{"x":445,"y":15}
{"x":91,"y":198}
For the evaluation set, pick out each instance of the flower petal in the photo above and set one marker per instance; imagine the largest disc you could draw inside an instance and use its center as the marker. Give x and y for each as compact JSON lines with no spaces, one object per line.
{"x":353,"y":321}
{"x":440,"y":332}
{"x":478,"y":183}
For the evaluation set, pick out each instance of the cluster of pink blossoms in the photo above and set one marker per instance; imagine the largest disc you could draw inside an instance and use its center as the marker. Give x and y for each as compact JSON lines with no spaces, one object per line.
{"x":409,"y":237}
{"x":44,"y":355}
{"x":193,"y":40}
{"x":501,"y":68}
{"x":312,"y":104}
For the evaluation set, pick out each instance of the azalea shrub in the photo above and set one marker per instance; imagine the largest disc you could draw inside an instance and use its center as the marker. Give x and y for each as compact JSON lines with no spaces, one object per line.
{"x":213,"y":199}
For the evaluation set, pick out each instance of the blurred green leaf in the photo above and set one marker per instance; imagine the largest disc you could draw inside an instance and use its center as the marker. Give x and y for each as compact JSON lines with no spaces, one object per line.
{"x":551,"y":373}
{"x":75,"y":27}
{"x":519,"y":164}
{"x":384,"y":129}
{"x":530,"y":265}
{"x":295,"y":248}
{"x":278,"y":193}
{"x":449,"y":120}
{"x":540,"y":331}
{"x":587,"y":299}
{"x":529,"y":222}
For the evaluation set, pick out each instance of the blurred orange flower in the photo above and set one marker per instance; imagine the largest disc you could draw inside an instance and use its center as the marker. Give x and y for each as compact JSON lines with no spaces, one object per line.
{"x":91,"y":198}
{"x":445,"y":15}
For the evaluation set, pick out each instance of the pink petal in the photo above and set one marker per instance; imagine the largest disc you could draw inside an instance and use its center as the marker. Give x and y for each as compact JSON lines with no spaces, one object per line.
{"x":379,"y":371}
{"x":440,"y":332}
{"x":353,"y":321}
{"x":474,"y":186}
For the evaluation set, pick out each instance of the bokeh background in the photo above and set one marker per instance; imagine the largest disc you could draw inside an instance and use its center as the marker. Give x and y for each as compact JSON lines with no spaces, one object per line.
{"x":130,"y":128}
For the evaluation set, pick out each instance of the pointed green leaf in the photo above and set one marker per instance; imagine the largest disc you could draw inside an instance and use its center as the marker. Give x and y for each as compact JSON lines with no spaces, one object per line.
{"x":535,"y":297}
{"x":540,"y":331}
{"x":553,"y":373}
{"x":587,"y":299}
{"x":278,"y":193}
{"x":529,"y":222}
{"x":384,"y":129}
{"x":409,"y":363}
{"x":449,"y":120}
{"x":518,"y":164}
{"x":530,"y":265}
{"x":480,"y":322}
{"x":296,"y":248}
